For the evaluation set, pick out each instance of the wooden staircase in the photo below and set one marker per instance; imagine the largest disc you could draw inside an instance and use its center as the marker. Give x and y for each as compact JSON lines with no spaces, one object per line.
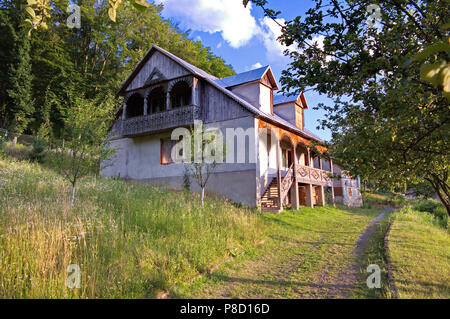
{"x":269,"y":200}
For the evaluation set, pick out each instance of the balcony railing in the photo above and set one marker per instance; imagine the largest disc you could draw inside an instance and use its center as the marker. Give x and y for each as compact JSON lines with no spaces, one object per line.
{"x":180,"y":116}
{"x":310,"y":175}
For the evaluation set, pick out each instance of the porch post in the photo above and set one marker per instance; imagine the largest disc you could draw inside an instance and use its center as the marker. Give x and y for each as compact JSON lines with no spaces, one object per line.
{"x":309,"y":195}
{"x":168,"y":106}
{"x":280,"y":203}
{"x":321,"y":196}
{"x":332,"y":183}
{"x":294,"y":187}
{"x":145,"y":105}
{"x":193,"y":95}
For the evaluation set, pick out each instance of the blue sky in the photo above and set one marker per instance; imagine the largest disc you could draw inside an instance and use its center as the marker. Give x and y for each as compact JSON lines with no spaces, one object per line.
{"x":243,"y":37}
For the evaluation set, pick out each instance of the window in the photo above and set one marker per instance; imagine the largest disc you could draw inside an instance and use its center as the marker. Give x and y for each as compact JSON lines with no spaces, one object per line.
{"x":156,"y":100}
{"x":135,"y":105}
{"x":166,"y":151}
{"x":180,"y":95}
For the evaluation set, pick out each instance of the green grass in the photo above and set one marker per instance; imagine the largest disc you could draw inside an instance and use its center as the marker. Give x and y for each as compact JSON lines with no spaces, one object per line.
{"x":382,"y":200}
{"x":420,"y":252}
{"x":306,"y":254}
{"x":129,"y":240}
{"x":137,"y":241}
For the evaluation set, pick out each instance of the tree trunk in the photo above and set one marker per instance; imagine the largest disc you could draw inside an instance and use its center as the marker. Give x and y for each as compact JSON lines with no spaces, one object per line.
{"x":442,"y":189}
{"x":73,"y":196}
{"x":203,"y":197}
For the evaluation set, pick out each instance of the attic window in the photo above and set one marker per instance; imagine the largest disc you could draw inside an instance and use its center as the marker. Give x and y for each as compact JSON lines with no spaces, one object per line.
{"x":180,"y":95}
{"x":135,"y":105}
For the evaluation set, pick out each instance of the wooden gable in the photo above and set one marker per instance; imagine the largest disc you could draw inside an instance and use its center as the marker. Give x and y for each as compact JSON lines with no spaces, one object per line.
{"x":153,"y":67}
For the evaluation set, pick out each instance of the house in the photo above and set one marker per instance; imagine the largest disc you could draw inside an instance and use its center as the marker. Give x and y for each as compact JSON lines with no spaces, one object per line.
{"x":165,"y":92}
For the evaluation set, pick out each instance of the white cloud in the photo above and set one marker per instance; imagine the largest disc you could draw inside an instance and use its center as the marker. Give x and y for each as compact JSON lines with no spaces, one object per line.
{"x":270,"y":31}
{"x":229,"y":17}
{"x":257,"y":65}
{"x":198,"y":38}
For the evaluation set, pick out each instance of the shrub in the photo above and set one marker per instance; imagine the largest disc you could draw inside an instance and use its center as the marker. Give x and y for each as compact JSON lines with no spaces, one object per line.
{"x":38,"y":152}
{"x":434,"y":208}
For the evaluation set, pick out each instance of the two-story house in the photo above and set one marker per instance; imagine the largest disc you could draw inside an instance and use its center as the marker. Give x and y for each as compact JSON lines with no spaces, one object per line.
{"x":165,"y":92}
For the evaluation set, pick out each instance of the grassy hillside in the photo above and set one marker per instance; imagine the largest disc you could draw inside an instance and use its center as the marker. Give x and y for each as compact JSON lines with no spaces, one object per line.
{"x":129,"y":240}
{"x":420,"y":251}
{"x":307,"y":253}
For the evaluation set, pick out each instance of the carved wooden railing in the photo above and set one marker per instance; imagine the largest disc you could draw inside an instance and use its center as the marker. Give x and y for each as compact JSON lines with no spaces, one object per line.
{"x":286,"y":182}
{"x":306,"y":174}
{"x":159,"y":121}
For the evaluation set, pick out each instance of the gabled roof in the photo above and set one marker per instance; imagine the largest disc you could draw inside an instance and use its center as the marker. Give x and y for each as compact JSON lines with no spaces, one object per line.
{"x":191,"y":68}
{"x":212,"y":80}
{"x":283,"y":99}
{"x":249,"y":76}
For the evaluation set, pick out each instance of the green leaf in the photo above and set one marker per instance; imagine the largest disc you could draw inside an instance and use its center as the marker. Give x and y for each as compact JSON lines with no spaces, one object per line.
{"x":30,"y":11}
{"x":142,"y":4}
{"x":432,"y":49}
{"x":112,"y":14}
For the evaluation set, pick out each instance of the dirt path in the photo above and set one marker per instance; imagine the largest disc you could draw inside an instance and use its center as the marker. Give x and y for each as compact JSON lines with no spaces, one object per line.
{"x":302,"y":259}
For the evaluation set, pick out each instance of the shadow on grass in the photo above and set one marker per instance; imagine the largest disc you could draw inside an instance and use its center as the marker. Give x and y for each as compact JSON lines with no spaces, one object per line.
{"x":279,"y":282}
{"x":314,"y":243}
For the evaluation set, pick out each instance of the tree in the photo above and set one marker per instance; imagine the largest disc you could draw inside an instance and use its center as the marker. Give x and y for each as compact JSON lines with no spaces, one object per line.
{"x":85,"y":142}
{"x":390,"y":122}
{"x":18,"y":102}
{"x":201,"y":149}
{"x":96,"y":58}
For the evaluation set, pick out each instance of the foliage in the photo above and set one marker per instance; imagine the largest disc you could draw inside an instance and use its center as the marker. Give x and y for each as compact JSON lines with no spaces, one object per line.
{"x":389,"y":124}
{"x":85,"y":139}
{"x":205,"y":148}
{"x":434,"y":208}
{"x":382,"y":200}
{"x":38,"y":151}
{"x":130,"y":240}
{"x":17,"y":103}
{"x":92,"y":60}
{"x":186,"y":179}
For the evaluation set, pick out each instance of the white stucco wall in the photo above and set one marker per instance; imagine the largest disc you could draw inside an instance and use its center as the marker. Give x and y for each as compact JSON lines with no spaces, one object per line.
{"x":138,"y":158}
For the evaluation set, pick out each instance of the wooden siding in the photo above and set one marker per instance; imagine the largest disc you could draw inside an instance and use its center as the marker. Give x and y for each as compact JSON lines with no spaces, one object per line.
{"x":216,"y":106}
{"x":169,"y":68}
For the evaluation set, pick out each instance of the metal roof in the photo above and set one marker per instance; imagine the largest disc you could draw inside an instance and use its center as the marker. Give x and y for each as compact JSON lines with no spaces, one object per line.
{"x":243,"y":77}
{"x":280,"y":99}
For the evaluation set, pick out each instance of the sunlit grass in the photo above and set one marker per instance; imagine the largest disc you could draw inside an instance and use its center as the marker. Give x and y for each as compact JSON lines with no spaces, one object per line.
{"x":420,"y":251}
{"x":130,"y":240}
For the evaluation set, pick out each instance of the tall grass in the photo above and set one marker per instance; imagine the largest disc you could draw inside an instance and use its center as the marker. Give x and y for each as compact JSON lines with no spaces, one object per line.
{"x":129,"y":240}
{"x":420,"y":254}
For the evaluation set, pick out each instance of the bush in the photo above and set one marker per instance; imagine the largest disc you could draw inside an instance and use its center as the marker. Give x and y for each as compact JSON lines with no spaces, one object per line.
{"x":434,"y":208}
{"x":38,"y":152}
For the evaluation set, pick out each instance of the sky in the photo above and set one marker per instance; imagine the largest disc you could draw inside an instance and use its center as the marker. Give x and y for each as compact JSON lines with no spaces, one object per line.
{"x":244,"y":38}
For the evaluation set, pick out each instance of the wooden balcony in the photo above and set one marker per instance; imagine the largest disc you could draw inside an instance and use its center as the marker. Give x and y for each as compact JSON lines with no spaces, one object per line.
{"x":310,"y":175}
{"x":151,"y":123}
